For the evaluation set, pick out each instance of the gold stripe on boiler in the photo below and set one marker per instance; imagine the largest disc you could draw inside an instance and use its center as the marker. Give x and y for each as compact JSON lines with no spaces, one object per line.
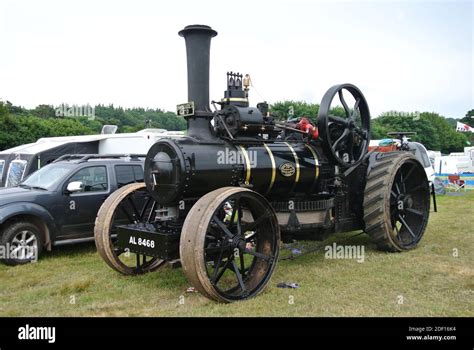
{"x":272,"y":159}
{"x":297,"y":163}
{"x":316,"y":165}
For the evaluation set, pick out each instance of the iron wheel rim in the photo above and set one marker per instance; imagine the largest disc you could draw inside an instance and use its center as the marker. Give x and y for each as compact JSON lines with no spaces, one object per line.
{"x":409,"y":205}
{"x":134,"y":215}
{"x":254,"y":241}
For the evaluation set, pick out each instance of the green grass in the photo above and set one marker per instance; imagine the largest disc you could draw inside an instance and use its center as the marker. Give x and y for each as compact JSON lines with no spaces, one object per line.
{"x":430,"y":279}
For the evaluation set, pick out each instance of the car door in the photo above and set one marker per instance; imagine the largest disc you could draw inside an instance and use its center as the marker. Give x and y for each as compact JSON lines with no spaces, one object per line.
{"x":80,"y":208}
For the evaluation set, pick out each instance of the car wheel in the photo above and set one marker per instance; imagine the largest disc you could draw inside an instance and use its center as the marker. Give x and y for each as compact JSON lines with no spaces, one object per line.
{"x":21,"y":243}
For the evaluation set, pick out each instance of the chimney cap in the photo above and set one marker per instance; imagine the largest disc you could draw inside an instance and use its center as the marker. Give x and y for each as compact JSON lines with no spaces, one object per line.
{"x":196,"y":28}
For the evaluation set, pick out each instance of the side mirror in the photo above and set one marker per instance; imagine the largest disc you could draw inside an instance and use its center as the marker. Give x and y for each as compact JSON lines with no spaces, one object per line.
{"x":75,"y":186}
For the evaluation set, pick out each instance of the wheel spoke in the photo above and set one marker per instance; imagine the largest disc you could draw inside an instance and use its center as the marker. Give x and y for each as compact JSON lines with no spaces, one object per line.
{"x":337,"y":120}
{"x":235,"y":210}
{"x":343,"y":101}
{"x":414,"y":211}
{"x":220,"y":249}
{"x":23,"y":235}
{"x":251,"y":226}
{"x":406,"y":225}
{"x":398,"y":189}
{"x":361,"y":132}
{"x":221,"y":273}
{"x":239,"y":225}
{"x":242,"y":263}
{"x":356,"y":106}
{"x":342,"y":137}
{"x":216,"y":265}
{"x":145,"y":207}
{"x":125,"y":211}
{"x":135,"y":210}
{"x":214,"y":233}
{"x":258,"y":255}
{"x":410,"y":171}
{"x":402,"y":183}
{"x":239,"y":276}
{"x":350,"y":148}
{"x":222,"y":226}
{"x":416,"y":188}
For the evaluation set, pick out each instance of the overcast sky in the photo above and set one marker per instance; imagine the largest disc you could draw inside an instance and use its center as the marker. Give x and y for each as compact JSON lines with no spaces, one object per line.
{"x":404,"y":55}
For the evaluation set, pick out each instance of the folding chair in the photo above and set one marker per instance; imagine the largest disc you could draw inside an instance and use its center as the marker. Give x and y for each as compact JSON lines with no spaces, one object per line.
{"x":455,"y":184}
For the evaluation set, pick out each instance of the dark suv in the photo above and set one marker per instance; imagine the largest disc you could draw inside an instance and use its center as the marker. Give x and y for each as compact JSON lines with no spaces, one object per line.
{"x":58,"y":204}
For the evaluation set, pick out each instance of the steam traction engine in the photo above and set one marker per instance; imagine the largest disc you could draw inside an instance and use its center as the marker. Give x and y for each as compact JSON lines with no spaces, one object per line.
{"x":222,"y":198}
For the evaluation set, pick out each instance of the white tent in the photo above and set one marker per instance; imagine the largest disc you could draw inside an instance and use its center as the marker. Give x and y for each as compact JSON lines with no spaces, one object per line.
{"x":18,"y":162}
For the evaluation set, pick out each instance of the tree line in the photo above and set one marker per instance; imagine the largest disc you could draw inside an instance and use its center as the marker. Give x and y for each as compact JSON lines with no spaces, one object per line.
{"x":19,"y":125}
{"x":433,"y":130}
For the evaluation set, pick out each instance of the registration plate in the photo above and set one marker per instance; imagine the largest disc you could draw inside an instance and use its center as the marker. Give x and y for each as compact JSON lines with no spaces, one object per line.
{"x":142,"y":241}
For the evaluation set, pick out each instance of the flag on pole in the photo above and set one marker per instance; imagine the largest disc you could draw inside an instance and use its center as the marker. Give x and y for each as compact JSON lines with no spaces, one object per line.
{"x":461,"y":127}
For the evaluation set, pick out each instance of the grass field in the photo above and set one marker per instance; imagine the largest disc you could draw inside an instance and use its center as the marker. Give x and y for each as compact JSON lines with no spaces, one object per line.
{"x":430,"y":281}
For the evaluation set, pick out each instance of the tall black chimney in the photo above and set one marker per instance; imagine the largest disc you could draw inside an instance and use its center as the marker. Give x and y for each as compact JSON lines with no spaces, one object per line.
{"x":198,"y":45}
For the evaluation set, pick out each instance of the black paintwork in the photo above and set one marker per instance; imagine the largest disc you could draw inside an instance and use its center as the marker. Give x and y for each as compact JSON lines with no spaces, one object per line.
{"x":290,"y":165}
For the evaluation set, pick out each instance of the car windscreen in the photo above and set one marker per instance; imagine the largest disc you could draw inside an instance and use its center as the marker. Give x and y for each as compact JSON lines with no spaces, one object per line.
{"x":48,"y":176}
{"x":16,"y":170}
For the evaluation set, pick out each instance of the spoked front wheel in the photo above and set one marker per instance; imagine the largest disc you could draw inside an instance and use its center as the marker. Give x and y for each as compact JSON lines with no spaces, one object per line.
{"x":130,"y":204}
{"x":229,"y":244}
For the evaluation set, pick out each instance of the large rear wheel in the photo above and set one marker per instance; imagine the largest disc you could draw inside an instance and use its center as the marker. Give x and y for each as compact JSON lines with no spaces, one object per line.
{"x":396,"y":201}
